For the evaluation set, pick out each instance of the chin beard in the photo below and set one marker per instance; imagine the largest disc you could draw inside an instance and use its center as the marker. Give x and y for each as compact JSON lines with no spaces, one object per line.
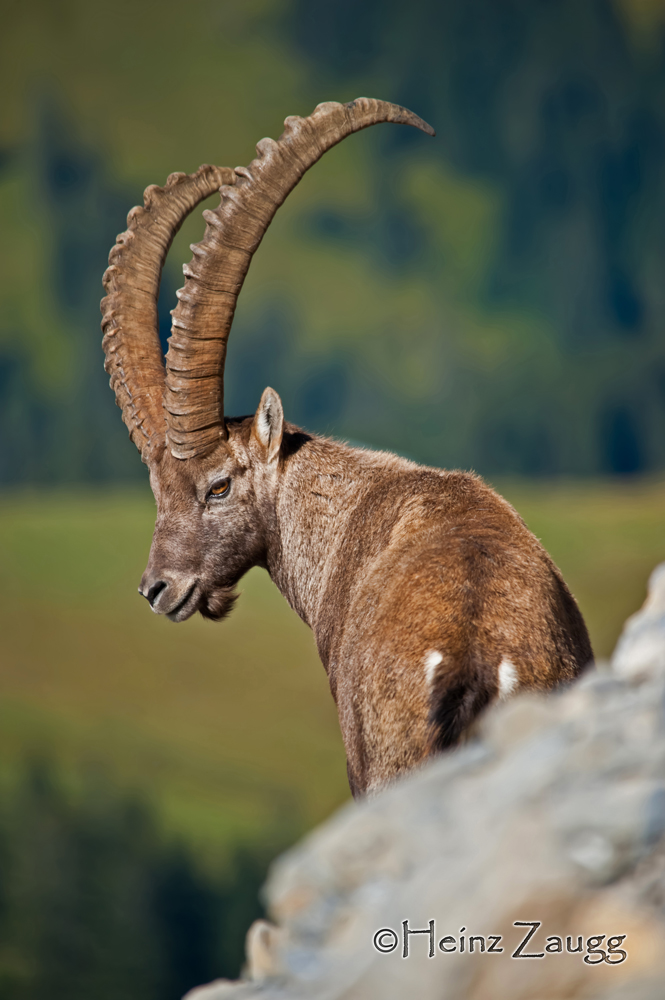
{"x":218,"y":603}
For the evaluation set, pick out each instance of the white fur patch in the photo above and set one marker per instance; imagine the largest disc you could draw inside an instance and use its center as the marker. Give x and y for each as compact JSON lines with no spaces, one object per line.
{"x":264,"y":427}
{"x":432,"y":660}
{"x":508,"y":679}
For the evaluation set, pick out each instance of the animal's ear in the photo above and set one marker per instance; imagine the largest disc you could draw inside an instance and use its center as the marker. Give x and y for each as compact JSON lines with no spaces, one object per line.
{"x":268,"y":426}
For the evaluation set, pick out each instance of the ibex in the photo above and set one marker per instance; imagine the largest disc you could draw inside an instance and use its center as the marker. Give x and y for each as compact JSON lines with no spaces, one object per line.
{"x":428,"y":596}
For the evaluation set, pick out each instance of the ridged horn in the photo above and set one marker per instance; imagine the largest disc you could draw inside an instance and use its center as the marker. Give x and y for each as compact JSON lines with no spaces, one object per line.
{"x":194,"y":388}
{"x":129,"y":311}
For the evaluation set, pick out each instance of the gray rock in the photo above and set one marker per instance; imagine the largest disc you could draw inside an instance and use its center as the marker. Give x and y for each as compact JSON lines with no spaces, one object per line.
{"x":641,"y":648}
{"x":555,"y":814}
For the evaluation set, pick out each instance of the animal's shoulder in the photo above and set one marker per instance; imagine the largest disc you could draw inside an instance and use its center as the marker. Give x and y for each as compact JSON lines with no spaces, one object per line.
{"x":421,"y":492}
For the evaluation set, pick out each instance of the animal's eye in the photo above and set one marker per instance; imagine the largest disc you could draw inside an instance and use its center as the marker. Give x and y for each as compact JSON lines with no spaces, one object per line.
{"x":219,"y":488}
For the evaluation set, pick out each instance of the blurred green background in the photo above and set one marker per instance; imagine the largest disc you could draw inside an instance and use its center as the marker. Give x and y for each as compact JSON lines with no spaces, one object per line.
{"x":490,"y":299}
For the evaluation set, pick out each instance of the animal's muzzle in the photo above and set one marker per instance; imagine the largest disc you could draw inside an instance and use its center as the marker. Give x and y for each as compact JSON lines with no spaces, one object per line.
{"x":169,"y":595}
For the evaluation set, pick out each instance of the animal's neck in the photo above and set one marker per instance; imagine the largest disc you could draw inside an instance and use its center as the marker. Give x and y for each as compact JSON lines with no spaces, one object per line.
{"x":321,"y":487}
{"x":314,"y":502}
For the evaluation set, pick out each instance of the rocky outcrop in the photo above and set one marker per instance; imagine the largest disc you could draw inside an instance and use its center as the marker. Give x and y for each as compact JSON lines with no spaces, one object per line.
{"x":551,"y":824}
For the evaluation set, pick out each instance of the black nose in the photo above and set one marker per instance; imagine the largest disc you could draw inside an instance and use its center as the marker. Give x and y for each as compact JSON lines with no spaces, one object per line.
{"x":154,"y":591}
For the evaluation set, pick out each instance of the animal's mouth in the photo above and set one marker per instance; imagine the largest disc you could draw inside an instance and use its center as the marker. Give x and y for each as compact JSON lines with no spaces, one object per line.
{"x":185,"y":608}
{"x":214,"y":603}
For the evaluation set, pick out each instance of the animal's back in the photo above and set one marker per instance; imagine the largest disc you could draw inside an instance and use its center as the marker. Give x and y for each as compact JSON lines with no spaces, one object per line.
{"x":460,"y":605}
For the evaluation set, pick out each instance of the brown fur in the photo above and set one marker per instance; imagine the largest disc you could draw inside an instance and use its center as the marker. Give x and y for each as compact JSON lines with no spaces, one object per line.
{"x":386,"y":561}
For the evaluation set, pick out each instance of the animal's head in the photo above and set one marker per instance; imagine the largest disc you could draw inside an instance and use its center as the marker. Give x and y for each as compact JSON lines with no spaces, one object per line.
{"x":214,"y":479}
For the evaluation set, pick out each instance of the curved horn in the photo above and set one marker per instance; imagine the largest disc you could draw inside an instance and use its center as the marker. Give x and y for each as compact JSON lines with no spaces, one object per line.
{"x":131,"y":334}
{"x":194,"y":390}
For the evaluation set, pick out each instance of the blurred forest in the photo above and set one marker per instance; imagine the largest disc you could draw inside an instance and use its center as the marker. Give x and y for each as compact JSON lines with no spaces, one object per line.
{"x":492,"y":298}
{"x":93,"y":903}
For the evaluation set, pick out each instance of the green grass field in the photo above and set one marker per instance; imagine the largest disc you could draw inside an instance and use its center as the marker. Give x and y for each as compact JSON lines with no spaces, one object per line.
{"x":228,"y":728}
